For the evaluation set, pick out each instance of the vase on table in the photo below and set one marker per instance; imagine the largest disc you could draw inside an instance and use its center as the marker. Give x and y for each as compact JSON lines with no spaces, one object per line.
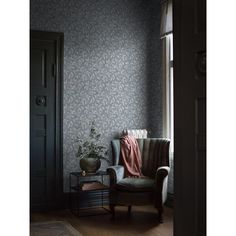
{"x":90,"y":165}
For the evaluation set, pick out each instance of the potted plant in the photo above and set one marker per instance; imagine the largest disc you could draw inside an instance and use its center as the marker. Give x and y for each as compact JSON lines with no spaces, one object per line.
{"x":90,"y":152}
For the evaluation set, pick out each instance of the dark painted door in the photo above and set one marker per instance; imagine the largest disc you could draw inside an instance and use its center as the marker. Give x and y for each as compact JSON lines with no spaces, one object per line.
{"x":44,"y":175}
{"x":190,"y":117}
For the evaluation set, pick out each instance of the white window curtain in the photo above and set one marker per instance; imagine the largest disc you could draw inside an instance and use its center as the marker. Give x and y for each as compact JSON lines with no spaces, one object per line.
{"x":167,"y":59}
{"x":166,"y":36}
{"x":166,"y":18}
{"x":167,"y":69}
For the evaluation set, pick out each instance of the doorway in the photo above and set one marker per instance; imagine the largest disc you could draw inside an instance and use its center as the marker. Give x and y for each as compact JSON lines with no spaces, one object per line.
{"x":46,"y":67}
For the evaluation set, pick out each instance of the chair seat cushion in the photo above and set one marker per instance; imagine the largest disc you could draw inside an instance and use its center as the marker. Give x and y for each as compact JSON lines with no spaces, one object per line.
{"x":135,"y":184}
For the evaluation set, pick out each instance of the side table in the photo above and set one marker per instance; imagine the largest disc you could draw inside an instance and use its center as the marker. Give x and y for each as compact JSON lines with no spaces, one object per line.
{"x":90,"y":182}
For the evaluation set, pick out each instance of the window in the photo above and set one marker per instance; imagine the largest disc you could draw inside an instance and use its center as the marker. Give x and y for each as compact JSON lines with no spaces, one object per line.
{"x":166,"y":28}
{"x":168,"y":88}
{"x":166,"y":35}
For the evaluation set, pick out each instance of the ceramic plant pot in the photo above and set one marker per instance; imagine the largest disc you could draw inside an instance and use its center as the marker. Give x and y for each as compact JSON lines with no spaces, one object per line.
{"x":90,"y":165}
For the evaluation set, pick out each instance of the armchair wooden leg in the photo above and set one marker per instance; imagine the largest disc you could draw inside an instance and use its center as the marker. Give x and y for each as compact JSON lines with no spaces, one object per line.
{"x":129,"y":209}
{"x":112,"y":209}
{"x":160,"y":214}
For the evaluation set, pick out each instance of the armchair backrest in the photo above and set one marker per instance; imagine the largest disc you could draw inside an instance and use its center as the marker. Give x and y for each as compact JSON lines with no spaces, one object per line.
{"x":154,"y":152}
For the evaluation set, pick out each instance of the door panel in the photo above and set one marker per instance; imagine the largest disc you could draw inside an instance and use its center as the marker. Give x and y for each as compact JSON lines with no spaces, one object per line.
{"x":44,"y":117}
{"x":190,"y":117}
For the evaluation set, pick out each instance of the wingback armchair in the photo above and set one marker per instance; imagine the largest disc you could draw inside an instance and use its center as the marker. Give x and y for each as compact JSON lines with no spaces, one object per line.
{"x":141,"y":191}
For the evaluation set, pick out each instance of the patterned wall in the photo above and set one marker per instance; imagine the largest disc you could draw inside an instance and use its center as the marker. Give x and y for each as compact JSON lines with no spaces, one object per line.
{"x":112,"y":69}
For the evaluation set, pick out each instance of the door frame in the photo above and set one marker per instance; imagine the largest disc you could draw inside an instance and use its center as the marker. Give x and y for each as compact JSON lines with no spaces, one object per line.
{"x":58,"y":39}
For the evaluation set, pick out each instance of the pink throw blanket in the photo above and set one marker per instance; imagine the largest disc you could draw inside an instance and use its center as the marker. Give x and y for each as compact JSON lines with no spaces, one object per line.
{"x":131,"y":156}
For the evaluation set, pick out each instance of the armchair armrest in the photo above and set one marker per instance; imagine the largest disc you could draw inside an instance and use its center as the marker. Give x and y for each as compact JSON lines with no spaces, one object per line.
{"x":161,"y":180}
{"x":116,"y":173}
{"x":161,"y":173}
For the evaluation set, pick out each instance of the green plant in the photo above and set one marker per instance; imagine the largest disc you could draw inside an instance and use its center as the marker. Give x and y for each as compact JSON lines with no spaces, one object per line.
{"x":90,"y":148}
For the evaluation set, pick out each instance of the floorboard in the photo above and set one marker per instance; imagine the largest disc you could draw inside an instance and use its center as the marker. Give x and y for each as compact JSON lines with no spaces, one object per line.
{"x":142,"y":221}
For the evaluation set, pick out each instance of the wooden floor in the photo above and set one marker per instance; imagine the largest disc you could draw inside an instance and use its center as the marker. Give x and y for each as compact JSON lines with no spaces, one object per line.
{"x":142,"y":221}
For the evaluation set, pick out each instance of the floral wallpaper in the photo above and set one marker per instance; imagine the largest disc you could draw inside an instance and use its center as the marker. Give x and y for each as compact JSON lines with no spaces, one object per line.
{"x":112,"y":67}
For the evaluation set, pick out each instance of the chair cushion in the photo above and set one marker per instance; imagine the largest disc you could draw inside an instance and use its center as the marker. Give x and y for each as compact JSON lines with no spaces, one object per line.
{"x":135,"y":184}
